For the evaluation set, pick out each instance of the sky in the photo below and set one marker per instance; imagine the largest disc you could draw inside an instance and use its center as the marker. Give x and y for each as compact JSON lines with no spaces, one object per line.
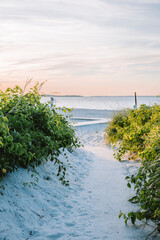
{"x":87,"y":47}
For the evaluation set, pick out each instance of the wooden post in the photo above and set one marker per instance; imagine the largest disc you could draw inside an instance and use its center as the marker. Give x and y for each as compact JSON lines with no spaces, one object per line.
{"x":135,"y":96}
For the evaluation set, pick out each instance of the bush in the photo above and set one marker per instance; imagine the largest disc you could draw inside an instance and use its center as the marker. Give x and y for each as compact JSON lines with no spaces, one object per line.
{"x":137,"y":134}
{"x":31,"y":132}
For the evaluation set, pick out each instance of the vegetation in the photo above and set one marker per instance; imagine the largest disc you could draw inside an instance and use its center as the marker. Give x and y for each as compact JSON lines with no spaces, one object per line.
{"x":31,"y":132}
{"x":136,"y":134}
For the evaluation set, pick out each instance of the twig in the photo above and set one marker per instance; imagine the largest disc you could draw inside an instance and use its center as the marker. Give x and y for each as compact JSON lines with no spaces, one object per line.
{"x":26,"y":84}
{"x":28,"y":81}
{"x":150,"y":234}
{"x":40,"y":86}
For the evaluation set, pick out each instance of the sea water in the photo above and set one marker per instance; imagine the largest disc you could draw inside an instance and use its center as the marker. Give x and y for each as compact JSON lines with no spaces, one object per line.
{"x":102,"y":103}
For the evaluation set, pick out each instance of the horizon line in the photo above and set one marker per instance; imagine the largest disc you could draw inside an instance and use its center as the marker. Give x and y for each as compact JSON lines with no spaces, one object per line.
{"x":77,"y":95}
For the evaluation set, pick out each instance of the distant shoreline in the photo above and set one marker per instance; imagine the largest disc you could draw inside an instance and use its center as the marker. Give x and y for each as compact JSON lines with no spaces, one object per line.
{"x":50,"y":95}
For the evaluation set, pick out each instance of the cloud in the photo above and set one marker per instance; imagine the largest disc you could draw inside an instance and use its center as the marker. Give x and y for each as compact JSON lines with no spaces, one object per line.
{"x":79,"y":38}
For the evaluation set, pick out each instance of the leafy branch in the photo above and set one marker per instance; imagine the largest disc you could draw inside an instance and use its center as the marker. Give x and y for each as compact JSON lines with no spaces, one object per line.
{"x":136,"y":135}
{"x":31,"y":132}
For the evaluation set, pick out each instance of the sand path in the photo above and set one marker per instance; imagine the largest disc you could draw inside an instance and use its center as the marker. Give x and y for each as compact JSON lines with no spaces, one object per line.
{"x":88,"y":209}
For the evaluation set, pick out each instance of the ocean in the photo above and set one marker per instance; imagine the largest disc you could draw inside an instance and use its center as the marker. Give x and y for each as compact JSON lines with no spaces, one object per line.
{"x":102,"y":103}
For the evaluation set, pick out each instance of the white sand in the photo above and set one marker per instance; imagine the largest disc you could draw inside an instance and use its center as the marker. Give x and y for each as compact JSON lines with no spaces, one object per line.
{"x":88,"y":209}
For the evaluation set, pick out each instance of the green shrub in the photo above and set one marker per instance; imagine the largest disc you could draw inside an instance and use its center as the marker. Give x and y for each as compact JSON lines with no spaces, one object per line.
{"x":31,"y":132}
{"x":136,"y":133}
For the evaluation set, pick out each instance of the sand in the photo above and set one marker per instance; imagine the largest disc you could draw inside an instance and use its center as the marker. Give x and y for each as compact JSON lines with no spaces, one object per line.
{"x":87,"y":209}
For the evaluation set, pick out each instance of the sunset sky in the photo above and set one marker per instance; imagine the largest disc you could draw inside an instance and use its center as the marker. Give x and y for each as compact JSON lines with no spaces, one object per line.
{"x":87,"y":47}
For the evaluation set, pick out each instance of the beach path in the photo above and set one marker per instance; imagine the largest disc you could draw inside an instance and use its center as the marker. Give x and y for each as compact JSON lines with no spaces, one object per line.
{"x":87,"y":209}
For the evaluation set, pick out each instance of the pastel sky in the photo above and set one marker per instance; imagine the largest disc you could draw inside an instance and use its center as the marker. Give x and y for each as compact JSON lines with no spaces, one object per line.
{"x":86,"y":47}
